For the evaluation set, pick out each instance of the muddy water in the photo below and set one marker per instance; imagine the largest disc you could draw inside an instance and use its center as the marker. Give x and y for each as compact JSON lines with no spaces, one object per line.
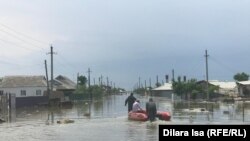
{"x":108,"y":120}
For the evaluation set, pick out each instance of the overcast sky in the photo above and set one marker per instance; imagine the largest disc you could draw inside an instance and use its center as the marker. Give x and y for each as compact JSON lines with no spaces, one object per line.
{"x":126,"y":39}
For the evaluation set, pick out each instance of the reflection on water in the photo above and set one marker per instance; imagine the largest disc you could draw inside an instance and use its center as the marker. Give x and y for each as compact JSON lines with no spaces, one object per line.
{"x":106,"y":119}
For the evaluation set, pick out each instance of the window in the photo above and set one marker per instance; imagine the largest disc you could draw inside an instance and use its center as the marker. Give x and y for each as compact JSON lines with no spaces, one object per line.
{"x":38,"y":92}
{"x":23,"y":93}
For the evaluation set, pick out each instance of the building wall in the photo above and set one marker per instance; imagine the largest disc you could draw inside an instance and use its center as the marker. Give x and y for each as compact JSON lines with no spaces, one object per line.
{"x":244,"y":90}
{"x":30,"y":91}
{"x":163,"y":93}
{"x":229,"y":92}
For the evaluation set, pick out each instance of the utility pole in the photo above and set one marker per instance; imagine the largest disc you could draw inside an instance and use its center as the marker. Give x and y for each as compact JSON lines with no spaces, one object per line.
{"x":77,"y":80}
{"x":47,"y":79}
{"x":101,"y":80}
{"x":150,"y":82}
{"x":173,"y":79}
{"x":89,"y":83}
{"x":89,"y":76}
{"x":145,"y":84}
{"x":107,"y":82}
{"x":206,"y":56}
{"x":52,"y":79}
{"x":139,"y":82}
{"x":157,"y":81}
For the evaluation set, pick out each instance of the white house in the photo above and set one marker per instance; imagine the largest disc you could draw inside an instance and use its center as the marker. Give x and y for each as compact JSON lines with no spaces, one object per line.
{"x":228,"y":88}
{"x":23,"y":86}
{"x":165,"y":90}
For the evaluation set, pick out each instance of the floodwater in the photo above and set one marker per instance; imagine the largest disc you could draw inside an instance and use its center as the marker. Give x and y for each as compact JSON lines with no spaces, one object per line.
{"x":108,"y":120}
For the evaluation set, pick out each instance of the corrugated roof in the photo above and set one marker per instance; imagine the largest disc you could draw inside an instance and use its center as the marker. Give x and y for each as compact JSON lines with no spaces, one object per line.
{"x":64,"y":83}
{"x":166,"y":86}
{"x":224,"y":84}
{"x":244,"y":82}
{"x":23,"y":81}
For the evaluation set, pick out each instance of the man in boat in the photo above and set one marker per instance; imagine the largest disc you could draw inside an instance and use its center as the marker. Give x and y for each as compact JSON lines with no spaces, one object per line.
{"x":136,"y":106}
{"x":151,"y":109}
{"x":130,"y":100}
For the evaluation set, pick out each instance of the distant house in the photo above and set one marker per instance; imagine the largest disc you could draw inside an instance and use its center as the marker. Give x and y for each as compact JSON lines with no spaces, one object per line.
{"x":165,"y":90}
{"x":64,"y":85}
{"x":244,"y":88}
{"x":226,"y":88}
{"x":23,"y":86}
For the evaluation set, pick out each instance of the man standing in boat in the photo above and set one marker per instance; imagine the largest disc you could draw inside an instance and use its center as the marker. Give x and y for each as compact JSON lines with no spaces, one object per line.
{"x":130,"y":100}
{"x":151,"y":109}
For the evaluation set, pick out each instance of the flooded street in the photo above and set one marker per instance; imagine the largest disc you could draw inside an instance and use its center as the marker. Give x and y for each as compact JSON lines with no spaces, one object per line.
{"x":108,"y":120}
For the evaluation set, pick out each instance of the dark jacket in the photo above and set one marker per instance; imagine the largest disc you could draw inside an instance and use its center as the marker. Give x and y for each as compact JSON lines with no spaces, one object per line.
{"x":151,"y":110}
{"x":130,"y":100}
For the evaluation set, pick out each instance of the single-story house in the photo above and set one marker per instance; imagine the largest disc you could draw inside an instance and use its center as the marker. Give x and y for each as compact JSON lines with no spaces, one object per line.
{"x":63,"y":87}
{"x":23,"y":86}
{"x":165,"y":90}
{"x":63,"y":83}
{"x":226,"y":88}
{"x":244,"y":88}
{"x":28,"y":90}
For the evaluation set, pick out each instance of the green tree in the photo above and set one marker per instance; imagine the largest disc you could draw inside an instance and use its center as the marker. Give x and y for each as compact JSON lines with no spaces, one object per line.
{"x":82,"y":80}
{"x":191,"y":89}
{"x":241,"y":77}
{"x":183,"y":89}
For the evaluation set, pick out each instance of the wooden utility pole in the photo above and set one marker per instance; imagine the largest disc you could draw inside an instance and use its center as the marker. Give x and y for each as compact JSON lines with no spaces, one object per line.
{"x":77,"y":80}
{"x":47,"y":79}
{"x":150,"y":83}
{"x":157,"y":81}
{"x":89,"y":83}
{"x":206,"y":56}
{"x":139,"y":82}
{"x":51,"y":53}
{"x":101,"y":80}
{"x":107,"y":82}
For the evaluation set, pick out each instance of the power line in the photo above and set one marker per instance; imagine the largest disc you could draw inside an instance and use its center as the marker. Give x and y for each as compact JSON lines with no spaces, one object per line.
{"x":221,"y":64}
{"x":13,"y":35}
{"x":17,"y":32}
{"x":9,"y":42}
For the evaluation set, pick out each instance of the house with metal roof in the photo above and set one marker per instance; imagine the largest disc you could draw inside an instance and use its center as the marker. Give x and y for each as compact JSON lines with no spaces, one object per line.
{"x":23,"y":86}
{"x":165,"y":90}
{"x":225,"y":88}
{"x":64,"y":84}
{"x":244,"y":88}
{"x":28,"y":90}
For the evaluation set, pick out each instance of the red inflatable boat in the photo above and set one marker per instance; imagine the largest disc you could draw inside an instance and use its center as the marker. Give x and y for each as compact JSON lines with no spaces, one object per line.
{"x":142,"y":116}
{"x":138,"y":116}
